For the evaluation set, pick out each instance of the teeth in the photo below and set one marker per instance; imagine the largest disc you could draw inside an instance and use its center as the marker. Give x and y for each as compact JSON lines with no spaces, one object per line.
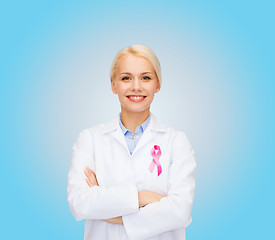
{"x":135,"y":98}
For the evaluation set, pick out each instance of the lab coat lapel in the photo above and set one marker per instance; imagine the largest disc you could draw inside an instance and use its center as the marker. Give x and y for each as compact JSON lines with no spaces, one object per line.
{"x":145,"y":138}
{"x":147,"y":135}
{"x":118,"y":135}
{"x":114,"y":129}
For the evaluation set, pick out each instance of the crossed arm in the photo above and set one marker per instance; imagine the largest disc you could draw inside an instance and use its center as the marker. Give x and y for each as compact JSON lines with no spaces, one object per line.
{"x":144,"y":197}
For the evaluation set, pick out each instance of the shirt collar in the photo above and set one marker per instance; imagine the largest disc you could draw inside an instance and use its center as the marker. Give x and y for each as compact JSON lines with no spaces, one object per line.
{"x":113,"y":125}
{"x":142,"y":126}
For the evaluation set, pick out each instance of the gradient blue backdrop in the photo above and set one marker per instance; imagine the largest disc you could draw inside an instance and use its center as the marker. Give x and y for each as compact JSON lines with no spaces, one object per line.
{"x":217,"y":61}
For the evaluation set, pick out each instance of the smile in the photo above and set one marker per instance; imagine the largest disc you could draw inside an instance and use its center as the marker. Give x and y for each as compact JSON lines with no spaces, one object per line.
{"x":136,"y":98}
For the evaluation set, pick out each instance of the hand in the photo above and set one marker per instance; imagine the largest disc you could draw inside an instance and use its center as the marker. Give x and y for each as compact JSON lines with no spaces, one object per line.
{"x":116,"y":220}
{"x":91,"y":177}
{"x":147,"y":197}
{"x":144,"y":197}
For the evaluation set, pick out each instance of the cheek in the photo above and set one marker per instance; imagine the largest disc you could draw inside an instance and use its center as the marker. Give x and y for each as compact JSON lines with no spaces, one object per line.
{"x":151,"y":91}
{"x":122,"y":90}
{"x":152,"y":87}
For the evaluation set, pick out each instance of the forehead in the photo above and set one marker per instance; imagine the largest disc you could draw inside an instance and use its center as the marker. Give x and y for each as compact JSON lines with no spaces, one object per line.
{"x":134,"y":64}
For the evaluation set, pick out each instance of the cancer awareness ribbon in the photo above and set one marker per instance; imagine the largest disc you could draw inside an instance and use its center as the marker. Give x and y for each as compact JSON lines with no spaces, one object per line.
{"x":155,"y":160}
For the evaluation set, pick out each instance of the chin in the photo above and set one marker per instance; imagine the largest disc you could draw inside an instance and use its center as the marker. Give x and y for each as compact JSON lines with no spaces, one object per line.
{"x":136,"y":110}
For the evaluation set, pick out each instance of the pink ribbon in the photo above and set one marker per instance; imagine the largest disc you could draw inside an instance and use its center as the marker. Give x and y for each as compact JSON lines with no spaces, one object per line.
{"x":155,"y":160}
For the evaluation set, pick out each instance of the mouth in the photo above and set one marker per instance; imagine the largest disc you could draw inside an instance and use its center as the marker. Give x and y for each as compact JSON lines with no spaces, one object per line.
{"x":136,"y":98}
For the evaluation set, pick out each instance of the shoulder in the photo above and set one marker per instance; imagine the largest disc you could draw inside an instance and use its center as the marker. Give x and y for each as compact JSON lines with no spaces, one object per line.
{"x":101,"y":128}
{"x":96,"y":129}
{"x":93,"y":130}
{"x":177,"y":138}
{"x":87,"y":135}
{"x":173,"y":134}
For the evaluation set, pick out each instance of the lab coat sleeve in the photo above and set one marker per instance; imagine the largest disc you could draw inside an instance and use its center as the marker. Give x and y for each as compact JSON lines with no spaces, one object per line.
{"x":174,"y":210}
{"x":95,"y":202}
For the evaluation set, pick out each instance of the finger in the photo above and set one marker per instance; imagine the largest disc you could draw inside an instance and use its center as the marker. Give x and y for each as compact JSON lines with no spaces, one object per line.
{"x":89,"y":171}
{"x":91,"y":174}
{"x":96,"y":181}
{"x":93,"y":179}
{"x":89,"y":182}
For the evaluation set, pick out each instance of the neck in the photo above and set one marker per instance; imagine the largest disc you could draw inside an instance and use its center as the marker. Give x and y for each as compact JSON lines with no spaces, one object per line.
{"x":131,"y":120}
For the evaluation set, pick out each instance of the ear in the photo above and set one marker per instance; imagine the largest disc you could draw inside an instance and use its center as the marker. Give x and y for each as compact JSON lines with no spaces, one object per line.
{"x":113,"y":86}
{"x":157,"y":88}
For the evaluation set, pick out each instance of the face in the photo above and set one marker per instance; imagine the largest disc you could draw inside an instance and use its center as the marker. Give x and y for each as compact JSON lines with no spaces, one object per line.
{"x":135,"y":83}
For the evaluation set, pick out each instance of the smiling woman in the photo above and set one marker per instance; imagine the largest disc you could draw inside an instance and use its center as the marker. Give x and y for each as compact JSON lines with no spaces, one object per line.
{"x":134,"y":79}
{"x":133,"y":177}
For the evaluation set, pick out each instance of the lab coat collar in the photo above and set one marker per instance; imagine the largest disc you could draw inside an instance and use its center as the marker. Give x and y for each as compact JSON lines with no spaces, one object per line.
{"x":154,"y":124}
{"x":114,"y":129}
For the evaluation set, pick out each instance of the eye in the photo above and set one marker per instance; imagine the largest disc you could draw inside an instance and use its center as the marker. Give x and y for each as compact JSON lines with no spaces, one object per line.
{"x":125,"y":78}
{"x":146,"y":78}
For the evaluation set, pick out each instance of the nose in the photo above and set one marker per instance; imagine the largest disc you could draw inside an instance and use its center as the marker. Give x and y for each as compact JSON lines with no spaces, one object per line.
{"x":136,"y":85}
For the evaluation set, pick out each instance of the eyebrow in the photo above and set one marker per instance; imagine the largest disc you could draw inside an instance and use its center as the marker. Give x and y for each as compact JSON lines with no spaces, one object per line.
{"x":130,"y":73}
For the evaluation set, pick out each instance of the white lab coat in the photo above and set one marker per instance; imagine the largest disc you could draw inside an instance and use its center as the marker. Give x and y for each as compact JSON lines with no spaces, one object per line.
{"x":121,"y":175}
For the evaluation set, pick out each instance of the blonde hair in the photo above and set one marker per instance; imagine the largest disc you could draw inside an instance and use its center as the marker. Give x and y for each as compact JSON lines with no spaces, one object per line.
{"x":138,"y":50}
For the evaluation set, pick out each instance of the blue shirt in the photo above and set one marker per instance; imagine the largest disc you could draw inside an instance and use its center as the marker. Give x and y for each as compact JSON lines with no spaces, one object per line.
{"x":130,"y":139}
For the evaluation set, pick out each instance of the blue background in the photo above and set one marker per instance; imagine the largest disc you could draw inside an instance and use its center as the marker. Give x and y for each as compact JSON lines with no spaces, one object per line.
{"x":217,"y":60}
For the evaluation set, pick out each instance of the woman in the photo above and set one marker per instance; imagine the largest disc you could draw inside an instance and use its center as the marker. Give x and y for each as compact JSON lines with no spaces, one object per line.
{"x":133,"y":178}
